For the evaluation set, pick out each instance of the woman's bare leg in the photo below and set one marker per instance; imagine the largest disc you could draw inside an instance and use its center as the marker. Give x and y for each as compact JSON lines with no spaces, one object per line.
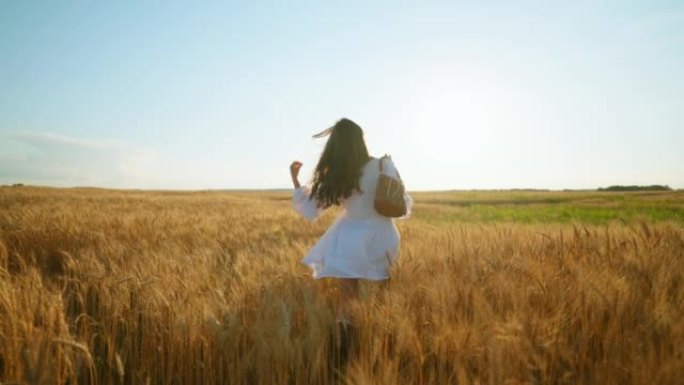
{"x":349,"y":291}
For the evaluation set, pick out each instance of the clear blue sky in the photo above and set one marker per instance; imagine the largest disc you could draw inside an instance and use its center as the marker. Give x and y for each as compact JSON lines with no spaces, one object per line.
{"x":568,"y":94}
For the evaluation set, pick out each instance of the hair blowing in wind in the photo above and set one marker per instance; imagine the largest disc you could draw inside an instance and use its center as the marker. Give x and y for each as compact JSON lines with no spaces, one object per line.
{"x":338,"y":170}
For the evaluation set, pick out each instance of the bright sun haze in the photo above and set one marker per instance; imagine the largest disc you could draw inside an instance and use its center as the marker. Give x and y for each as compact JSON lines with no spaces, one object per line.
{"x":463,"y":95}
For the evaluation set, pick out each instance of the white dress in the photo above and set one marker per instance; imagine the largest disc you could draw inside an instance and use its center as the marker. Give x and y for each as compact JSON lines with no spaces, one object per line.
{"x":360,"y":243}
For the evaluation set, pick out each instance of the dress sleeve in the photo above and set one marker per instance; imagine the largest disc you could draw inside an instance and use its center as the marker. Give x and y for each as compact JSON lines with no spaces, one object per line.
{"x":304,"y":205}
{"x":391,"y":170}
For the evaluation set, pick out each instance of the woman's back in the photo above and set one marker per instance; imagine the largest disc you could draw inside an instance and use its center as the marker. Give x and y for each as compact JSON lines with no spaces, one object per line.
{"x":360,"y":205}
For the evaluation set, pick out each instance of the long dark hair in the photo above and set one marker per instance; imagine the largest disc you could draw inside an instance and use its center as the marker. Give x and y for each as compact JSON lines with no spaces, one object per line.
{"x":337,"y":174}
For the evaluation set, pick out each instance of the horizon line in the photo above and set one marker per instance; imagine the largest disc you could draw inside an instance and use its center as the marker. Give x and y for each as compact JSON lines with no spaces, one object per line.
{"x":283,"y":189}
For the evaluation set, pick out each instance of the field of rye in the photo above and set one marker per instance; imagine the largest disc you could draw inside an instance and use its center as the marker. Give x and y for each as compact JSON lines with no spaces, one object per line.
{"x":132,"y":287}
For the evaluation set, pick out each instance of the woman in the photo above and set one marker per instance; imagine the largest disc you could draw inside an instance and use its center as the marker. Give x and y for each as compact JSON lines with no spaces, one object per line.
{"x":360,"y":244}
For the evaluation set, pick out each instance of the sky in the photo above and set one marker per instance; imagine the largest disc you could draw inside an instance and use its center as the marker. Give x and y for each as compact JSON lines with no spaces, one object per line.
{"x":225,"y":95}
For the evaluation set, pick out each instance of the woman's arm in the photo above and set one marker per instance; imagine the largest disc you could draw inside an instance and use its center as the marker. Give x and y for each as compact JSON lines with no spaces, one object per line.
{"x":301,"y":198}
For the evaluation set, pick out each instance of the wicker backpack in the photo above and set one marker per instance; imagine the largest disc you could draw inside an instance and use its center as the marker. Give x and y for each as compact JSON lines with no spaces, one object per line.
{"x":389,"y":195}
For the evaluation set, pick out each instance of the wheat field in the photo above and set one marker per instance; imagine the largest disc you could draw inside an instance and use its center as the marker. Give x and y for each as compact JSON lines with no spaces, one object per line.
{"x":144,"y":287}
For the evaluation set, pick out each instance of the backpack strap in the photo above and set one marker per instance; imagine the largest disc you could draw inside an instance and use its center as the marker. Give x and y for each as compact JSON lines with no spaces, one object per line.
{"x":381,"y":159}
{"x":386,"y":156}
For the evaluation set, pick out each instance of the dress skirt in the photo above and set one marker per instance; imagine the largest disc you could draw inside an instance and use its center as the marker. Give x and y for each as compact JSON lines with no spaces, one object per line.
{"x":355,"y":248}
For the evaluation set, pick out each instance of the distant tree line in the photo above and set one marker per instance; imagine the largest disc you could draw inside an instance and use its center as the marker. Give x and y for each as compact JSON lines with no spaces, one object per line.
{"x":654,"y":187}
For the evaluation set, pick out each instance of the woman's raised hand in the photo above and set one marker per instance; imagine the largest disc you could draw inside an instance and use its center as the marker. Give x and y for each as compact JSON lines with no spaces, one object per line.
{"x":294,"y":172}
{"x":294,"y":168}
